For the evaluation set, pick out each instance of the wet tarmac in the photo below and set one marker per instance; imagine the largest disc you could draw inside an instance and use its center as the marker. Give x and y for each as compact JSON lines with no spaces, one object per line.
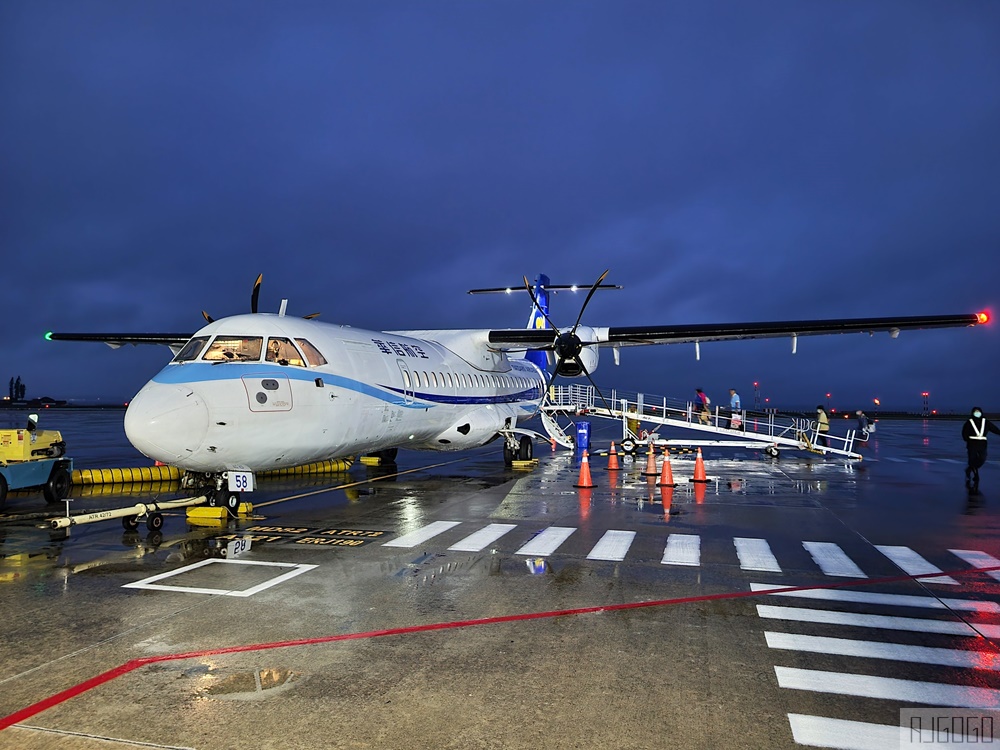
{"x":450,"y":602}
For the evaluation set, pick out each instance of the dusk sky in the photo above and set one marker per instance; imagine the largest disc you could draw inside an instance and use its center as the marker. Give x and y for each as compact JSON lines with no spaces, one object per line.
{"x":375,"y":160}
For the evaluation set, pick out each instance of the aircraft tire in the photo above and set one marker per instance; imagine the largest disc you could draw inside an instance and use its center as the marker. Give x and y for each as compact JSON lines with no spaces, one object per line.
{"x":58,"y":485}
{"x":508,"y":454}
{"x":154,"y":521}
{"x":3,"y":492}
{"x":526,"y":449}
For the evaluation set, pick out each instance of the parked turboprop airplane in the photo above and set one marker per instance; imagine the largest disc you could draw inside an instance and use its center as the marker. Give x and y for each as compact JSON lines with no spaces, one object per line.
{"x":261,"y":391}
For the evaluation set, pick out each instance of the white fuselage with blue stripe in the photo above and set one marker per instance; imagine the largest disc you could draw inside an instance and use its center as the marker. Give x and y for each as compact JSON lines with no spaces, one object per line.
{"x":366,"y":391}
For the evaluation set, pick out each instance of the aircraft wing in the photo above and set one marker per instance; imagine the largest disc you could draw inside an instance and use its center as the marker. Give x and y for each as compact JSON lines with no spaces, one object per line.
{"x":681,"y":334}
{"x":174,"y":340}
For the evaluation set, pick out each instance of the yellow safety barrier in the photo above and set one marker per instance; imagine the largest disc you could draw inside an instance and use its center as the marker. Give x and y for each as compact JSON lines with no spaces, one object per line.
{"x":128,"y":475}
{"x":146,"y":474}
{"x":320,"y":467}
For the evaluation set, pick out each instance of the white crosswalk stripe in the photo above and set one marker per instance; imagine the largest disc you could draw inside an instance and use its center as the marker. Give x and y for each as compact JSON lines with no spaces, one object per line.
{"x":482,"y":538}
{"x":869,"y":597}
{"x":913,"y":564}
{"x":832,"y":561}
{"x":612,"y":546}
{"x":948,"y":657}
{"x":755,"y":554}
{"x":682,"y":549}
{"x":888,"y":688}
{"x":421,"y":535}
{"x":883,"y":622}
{"x":821,"y":731}
{"x":547,"y":541}
{"x":979,"y":559}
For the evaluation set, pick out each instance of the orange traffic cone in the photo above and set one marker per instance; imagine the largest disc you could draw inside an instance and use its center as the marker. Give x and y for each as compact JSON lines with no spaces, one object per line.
{"x":650,"y":462}
{"x":667,"y":474}
{"x":585,"y":482}
{"x":613,"y":458}
{"x":699,"y":469}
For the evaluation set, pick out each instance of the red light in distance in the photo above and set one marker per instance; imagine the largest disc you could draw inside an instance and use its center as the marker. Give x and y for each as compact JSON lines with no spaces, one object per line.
{"x":984,"y":317}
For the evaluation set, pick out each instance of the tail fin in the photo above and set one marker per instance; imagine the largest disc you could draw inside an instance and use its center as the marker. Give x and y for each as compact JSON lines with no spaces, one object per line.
{"x":536,"y":320}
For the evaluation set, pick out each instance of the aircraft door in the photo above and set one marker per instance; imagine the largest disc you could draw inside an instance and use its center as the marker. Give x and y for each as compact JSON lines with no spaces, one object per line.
{"x":268,"y":392}
{"x":407,"y":382}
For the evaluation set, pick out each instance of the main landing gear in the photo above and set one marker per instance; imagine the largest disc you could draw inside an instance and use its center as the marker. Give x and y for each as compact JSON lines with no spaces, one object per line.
{"x":521,"y":450}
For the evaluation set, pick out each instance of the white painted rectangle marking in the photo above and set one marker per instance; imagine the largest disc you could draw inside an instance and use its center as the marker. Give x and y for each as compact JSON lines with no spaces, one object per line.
{"x":613,"y":546}
{"x":547,"y":542}
{"x":885,"y":622}
{"x":913,"y":564}
{"x":870,"y":597}
{"x":979,"y":559}
{"x":888,"y":688}
{"x":948,"y":657}
{"x":832,"y":560}
{"x":682,"y":549}
{"x":485,"y":536}
{"x":896,"y":460}
{"x":951,"y":461}
{"x":150,"y":583}
{"x":755,"y":554}
{"x":422,"y":534}
{"x":821,"y":731}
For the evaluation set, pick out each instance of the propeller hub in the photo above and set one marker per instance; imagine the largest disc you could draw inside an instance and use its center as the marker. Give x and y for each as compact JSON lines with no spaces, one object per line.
{"x":568,"y":345}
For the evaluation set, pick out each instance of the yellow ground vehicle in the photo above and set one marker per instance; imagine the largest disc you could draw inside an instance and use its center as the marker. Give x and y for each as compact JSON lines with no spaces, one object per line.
{"x":34,"y":458}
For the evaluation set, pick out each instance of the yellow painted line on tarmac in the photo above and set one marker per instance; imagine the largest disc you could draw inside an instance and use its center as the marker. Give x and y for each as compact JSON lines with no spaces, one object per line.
{"x":356,"y":484}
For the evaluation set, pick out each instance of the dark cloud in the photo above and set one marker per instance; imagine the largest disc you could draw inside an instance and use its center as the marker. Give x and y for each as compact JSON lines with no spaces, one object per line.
{"x":728,"y":161}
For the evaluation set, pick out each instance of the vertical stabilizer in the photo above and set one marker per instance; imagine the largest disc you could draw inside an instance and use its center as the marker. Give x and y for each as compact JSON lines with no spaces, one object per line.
{"x":537,"y":320}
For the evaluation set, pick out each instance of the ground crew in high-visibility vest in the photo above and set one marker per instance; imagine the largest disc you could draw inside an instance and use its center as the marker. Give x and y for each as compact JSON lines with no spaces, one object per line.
{"x":974,"y":434}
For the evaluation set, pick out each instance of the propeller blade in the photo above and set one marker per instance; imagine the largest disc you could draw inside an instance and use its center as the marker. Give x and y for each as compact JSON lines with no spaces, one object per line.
{"x":255,"y":294}
{"x":587,"y":301}
{"x":207,"y":317}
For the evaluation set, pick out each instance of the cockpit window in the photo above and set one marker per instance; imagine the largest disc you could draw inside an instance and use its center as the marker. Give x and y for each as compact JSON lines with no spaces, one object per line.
{"x":191,"y":349}
{"x":312,"y":353}
{"x":282,"y":351}
{"x":234,"y":349}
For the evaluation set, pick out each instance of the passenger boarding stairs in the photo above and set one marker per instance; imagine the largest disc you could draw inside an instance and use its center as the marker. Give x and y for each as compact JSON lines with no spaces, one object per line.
{"x":766,"y":431}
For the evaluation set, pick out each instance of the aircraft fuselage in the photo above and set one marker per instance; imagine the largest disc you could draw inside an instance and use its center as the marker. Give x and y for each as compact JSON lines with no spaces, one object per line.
{"x":263,"y":391}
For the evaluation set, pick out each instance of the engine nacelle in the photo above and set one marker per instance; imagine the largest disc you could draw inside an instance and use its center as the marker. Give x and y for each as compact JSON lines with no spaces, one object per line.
{"x":589,"y":355}
{"x":471,"y":431}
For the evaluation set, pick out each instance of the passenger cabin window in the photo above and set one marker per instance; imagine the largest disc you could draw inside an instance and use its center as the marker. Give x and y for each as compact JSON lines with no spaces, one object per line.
{"x":283,"y":352}
{"x":234,"y":349}
{"x":312,"y":353}
{"x":191,"y":349}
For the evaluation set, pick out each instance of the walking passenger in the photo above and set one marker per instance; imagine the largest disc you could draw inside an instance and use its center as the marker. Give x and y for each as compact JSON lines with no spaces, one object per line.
{"x":822,"y":427}
{"x":704,"y":402}
{"x":974,"y":434}
{"x":735,"y":415}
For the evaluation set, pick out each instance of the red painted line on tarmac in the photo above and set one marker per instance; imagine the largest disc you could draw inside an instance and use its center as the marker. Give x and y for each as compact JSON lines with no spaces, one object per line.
{"x":130,"y":666}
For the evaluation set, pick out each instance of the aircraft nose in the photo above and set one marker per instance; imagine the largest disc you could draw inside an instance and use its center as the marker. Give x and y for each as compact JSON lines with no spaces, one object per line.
{"x":168,"y":423}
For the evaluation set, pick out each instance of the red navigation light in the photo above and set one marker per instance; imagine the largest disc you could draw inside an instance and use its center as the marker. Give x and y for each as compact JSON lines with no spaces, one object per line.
{"x":983,"y":317}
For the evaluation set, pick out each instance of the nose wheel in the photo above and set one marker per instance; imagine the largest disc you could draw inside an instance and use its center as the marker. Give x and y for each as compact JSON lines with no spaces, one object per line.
{"x":225,"y":498}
